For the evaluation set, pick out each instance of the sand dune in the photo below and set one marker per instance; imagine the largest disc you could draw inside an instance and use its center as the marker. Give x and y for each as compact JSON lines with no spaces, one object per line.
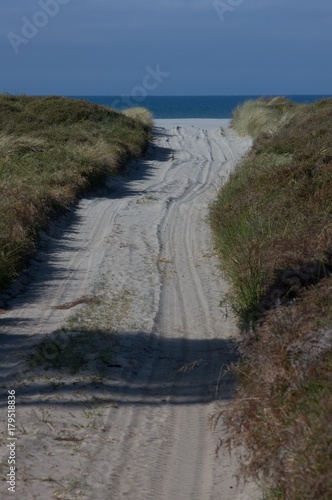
{"x":143,"y":245}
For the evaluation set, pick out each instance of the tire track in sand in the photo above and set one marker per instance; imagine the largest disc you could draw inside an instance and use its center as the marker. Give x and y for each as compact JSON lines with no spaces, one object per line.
{"x":148,"y":235}
{"x":168,"y":449}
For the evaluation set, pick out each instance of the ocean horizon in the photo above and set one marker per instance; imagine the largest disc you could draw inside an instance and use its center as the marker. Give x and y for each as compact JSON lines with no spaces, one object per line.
{"x":189,"y":106}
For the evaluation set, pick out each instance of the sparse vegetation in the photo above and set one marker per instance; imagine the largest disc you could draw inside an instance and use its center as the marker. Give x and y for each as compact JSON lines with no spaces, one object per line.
{"x":87,"y":343}
{"x":273,"y":228}
{"x":52,"y":149}
{"x":73,"y":351}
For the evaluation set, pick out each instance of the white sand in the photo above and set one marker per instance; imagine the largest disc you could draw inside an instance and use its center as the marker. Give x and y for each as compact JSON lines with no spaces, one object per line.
{"x":144,"y":246}
{"x":206,"y":124}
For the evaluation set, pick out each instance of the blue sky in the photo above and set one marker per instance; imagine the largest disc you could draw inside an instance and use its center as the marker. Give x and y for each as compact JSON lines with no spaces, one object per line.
{"x":197,"y":47}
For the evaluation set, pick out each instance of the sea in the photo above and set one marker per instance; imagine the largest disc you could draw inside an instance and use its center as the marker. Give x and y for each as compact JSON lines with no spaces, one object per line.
{"x":188,"y":106}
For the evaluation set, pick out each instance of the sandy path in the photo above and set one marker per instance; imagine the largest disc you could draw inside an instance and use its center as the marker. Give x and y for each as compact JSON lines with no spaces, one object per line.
{"x":144,"y":247}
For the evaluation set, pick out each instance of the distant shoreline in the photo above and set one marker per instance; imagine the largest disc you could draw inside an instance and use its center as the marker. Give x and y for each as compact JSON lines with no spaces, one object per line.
{"x":204,"y":123}
{"x":185,"y":107}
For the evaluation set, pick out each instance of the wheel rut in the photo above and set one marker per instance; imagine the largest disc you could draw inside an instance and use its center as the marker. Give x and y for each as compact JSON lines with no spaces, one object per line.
{"x":146,"y":238}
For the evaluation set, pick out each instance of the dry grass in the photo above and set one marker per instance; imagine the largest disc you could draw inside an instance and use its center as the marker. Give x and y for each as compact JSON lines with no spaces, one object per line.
{"x":143,"y":115}
{"x":264,"y":115}
{"x":283,"y":407}
{"x":51,"y":150}
{"x":273,"y":230}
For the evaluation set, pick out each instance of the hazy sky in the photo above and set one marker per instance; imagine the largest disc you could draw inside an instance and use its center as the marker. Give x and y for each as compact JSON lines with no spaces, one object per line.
{"x":173,"y":47}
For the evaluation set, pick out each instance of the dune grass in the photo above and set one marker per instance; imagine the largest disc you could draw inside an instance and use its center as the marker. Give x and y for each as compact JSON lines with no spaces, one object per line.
{"x":51,"y":150}
{"x":264,"y":115}
{"x":273,"y":229}
{"x":143,"y":115}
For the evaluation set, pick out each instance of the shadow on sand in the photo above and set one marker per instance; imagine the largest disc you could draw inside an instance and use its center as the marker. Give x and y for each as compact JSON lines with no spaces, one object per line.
{"x":143,"y":368}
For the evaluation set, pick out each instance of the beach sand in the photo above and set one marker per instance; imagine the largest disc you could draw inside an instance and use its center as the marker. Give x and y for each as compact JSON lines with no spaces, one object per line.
{"x":204,"y":123}
{"x":143,"y":425}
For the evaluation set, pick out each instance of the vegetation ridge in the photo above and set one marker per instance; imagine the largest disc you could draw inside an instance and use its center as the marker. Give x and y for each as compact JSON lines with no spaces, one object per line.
{"x":273,"y":227}
{"x":51,"y":150}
